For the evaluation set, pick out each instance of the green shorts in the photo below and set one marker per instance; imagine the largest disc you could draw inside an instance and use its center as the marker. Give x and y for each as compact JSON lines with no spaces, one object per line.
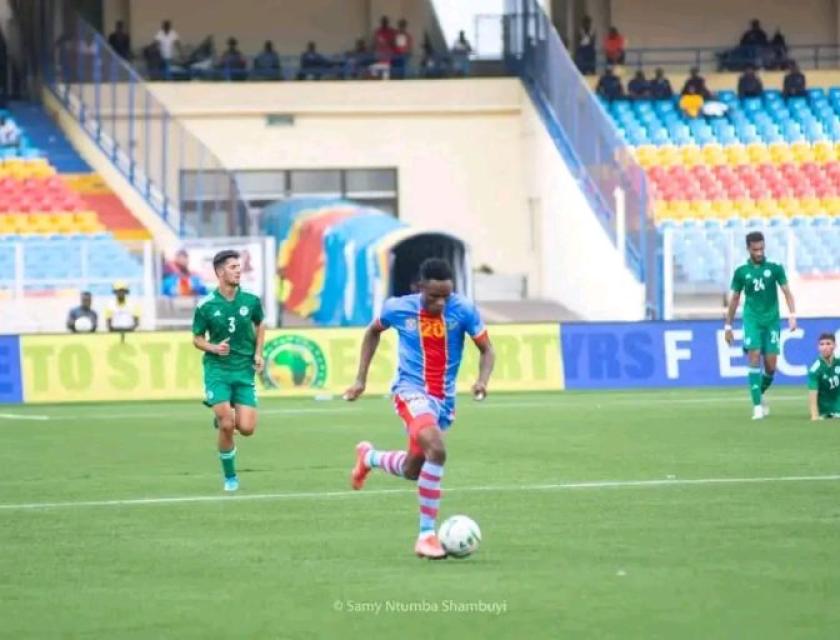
{"x":235,"y":386}
{"x":761,"y":337}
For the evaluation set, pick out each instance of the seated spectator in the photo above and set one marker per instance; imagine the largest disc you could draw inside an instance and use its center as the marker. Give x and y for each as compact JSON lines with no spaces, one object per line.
{"x":402,"y":49}
{"x":638,"y":87}
{"x":776,"y":56}
{"x":179,"y":281}
{"x":122,"y":314}
{"x":383,"y":40}
{"x":698,"y":83}
{"x":232,"y":64}
{"x":430,"y":64}
{"x":358,"y":60}
{"x":461,"y":51}
{"x":660,"y":86}
{"x":83,"y":319}
{"x":312,"y":64}
{"x":585,"y":50}
{"x":609,"y":85}
{"x":614,"y":45}
{"x":691,"y":103}
{"x":794,"y":84}
{"x":749,"y":84}
{"x":120,"y":41}
{"x":9,"y":132}
{"x":267,"y":64}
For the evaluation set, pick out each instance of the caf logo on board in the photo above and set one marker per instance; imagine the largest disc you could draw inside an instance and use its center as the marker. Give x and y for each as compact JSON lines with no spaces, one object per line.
{"x":293,"y":362}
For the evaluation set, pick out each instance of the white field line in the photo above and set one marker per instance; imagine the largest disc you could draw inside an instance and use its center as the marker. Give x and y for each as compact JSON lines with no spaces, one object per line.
{"x":22,"y":416}
{"x":560,"y":402}
{"x":319,"y":495}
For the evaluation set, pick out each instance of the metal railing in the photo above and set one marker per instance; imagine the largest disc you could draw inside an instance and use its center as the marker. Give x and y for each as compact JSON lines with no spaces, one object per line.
{"x":151,"y":148}
{"x":603,"y":165}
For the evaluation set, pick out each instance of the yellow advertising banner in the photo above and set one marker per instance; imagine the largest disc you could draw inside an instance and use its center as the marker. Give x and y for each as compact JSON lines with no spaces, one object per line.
{"x":166,"y":366}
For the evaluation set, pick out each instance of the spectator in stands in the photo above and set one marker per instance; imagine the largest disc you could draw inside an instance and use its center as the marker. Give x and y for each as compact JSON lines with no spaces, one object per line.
{"x":430,"y":63}
{"x":9,"y":132}
{"x":383,"y":41}
{"x":120,"y":41}
{"x":691,"y":103}
{"x":776,"y":57}
{"x":168,"y":44}
{"x":179,"y":281}
{"x":609,"y":85}
{"x":461,"y":51}
{"x":83,"y":319}
{"x":403,"y":47}
{"x":312,"y":64}
{"x":358,"y":60}
{"x":660,"y":86}
{"x":639,"y":87}
{"x":698,"y":83}
{"x":267,"y":64}
{"x":232,"y":64}
{"x":754,"y":36}
{"x":585,"y":51}
{"x":614,"y":45}
{"x":794,"y":84}
{"x":749,"y":84}
{"x":122,"y":314}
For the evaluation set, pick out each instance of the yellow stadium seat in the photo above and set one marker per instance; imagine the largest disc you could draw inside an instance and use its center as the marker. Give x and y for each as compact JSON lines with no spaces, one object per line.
{"x":86,"y":218}
{"x":802,"y":152}
{"x":824,"y":151}
{"x":691,"y":155}
{"x":736,"y":154}
{"x":669,"y":156}
{"x":758,"y":152}
{"x":811,"y":206}
{"x":780,"y":152}
{"x":831,"y":205}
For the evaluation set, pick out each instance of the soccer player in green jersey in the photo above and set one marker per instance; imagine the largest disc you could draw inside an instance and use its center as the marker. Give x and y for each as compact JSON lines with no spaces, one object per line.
{"x":228,"y":328}
{"x":758,"y":279}
{"x":824,"y":381}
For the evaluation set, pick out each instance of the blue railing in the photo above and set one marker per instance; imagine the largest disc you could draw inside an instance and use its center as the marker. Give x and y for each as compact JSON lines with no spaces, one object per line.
{"x":151,"y":149}
{"x":591,"y":145}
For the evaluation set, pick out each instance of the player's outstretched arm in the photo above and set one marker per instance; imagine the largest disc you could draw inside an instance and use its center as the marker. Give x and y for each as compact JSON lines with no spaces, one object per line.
{"x":486,"y":362}
{"x":791,"y":305}
{"x":812,"y":405}
{"x":734,"y":301}
{"x":370,"y":343}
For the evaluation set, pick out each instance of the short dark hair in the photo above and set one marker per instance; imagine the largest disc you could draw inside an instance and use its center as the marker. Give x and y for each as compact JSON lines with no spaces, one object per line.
{"x":827,"y":336}
{"x":754,"y":236}
{"x":223,"y":256}
{"x":435,"y":269}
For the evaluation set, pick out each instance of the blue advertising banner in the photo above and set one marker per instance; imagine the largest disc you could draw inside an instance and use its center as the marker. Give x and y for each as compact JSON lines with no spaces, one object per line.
{"x":624,"y":355}
{"x":11,"y":389}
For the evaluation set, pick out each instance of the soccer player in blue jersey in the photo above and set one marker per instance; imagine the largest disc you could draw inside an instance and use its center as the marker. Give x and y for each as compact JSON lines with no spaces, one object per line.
{"x":431,"y":325}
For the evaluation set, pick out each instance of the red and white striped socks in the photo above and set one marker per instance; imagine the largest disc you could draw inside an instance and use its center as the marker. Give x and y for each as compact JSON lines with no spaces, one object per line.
{"x":389,"y":461}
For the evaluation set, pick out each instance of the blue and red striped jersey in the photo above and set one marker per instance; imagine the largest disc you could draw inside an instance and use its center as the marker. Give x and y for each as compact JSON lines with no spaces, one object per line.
{"x":431,"y":347}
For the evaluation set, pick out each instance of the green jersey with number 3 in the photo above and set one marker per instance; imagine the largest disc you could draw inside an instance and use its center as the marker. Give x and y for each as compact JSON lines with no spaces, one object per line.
{"x":759,"y":282}
{"x":824,"y":378}
{"x":220,"y":318}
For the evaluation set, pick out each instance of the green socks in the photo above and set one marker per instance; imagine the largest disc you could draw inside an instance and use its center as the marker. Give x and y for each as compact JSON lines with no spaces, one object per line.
{"x":755,"y":385}
{"x":766,"y":381}
{"x":228,"y":459}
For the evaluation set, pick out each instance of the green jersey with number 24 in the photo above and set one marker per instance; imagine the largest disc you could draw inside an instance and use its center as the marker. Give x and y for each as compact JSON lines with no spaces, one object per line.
{"x":759,"y":282}
{"x":220,"y":318}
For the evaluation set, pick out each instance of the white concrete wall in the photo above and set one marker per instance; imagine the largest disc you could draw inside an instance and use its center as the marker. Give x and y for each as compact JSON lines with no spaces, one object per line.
{"x":579,"y":265}
{"x":472,"y":156}
{"x":720,"y":23}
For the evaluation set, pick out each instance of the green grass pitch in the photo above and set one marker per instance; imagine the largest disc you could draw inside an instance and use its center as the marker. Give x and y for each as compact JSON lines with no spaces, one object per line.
{"x":604,"y":515}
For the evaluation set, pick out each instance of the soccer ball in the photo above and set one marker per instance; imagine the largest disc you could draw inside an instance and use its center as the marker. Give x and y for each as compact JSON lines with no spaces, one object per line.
{"x":460,"y":536}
